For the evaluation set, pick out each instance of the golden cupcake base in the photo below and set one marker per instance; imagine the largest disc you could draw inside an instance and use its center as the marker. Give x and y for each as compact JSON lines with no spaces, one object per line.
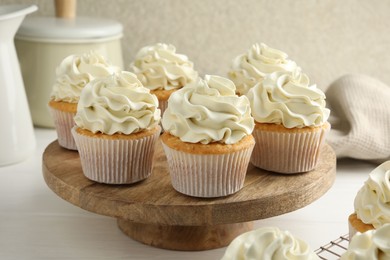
{"x":356,"y":225}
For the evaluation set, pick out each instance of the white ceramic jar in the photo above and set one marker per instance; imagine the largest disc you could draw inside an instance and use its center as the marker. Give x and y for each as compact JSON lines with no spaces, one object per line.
{"x":16,"y":133}
{"x":43,"y":42}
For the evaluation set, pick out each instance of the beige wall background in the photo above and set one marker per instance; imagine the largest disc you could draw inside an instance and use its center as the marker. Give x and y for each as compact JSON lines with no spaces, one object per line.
{"x":327,"y":38}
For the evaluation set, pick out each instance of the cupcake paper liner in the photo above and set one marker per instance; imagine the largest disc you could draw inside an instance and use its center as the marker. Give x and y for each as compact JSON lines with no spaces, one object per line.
{"x":285,"y":152}
{"x":163,"y":104}
{"x":64,"y":122}
{"x":120,"y":161}
{"x":207,"y":175}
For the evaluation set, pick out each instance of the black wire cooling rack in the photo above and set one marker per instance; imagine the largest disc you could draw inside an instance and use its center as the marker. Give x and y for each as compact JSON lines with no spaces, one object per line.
{"x":334,"y":249}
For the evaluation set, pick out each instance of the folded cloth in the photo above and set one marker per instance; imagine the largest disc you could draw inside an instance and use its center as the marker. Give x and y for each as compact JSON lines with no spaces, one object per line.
{"x":360,"y":118}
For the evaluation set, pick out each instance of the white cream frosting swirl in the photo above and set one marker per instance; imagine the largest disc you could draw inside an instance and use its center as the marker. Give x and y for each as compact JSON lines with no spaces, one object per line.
{"x":268,"y":243}
{"x":76,"y":71}
{"x":117,"y":104}
{"x":208,"y":111}
{"x":251,"y":67}
{"x":372,"y":202}
{"x":160,"y":67}
{"x":372,"y":245}
{"x":287,"y":98}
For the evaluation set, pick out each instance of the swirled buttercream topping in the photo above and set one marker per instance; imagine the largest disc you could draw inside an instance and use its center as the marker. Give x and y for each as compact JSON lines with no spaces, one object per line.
{"x":372,"y":202}
{"x":76,"y":71}
{"x":117,"y":104}
{"x":208,"y":111}
{"x":160,"y":67}
{"x":251,"y":67}
{"x":268,"y":243}
{"x":287,"y":98}
{"x":372,"y":244}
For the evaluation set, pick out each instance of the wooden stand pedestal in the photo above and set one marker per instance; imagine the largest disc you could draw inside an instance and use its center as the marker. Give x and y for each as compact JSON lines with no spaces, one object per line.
{"x":189,"y":238}
{"x":153,"y":213}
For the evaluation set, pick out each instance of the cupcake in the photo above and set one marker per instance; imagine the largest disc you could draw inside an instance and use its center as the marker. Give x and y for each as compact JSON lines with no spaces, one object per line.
{"x":372,"y":202}
{"x":290,"y":122}
{"x":207,"y":138}
{"x":163,"y":71}
{"x":268,"y":243}
{"x":73,"y":73}
{"x":372,"y":245}
{"x":117,"y":126}
{"x":250,"y":68}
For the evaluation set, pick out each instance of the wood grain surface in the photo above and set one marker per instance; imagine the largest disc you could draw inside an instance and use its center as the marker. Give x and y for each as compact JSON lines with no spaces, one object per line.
{"x":154,"y":207}
{"x":193,"y":238}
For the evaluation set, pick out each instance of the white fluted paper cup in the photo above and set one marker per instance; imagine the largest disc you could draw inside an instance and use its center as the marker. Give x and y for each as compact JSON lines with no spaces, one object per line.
{"x":162,"y":104}
{"x":288,"y":151}
{"x":163,"y":96}
{"x":208,"y":175}
{"x":63,"y":122}
{"x":119,"y":160}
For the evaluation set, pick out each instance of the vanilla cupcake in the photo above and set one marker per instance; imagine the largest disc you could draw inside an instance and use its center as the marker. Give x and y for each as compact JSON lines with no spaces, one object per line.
{"x":117,"y":126}
{"x":268,"y":243}
{"x":163,"y":71}
{"x":250,"y":68}
{"x":290,"y":122}
{"x":372,"y":202}
{"x":73,"y":73}
{"x":372,"y":245}
{"x":207,"y":138}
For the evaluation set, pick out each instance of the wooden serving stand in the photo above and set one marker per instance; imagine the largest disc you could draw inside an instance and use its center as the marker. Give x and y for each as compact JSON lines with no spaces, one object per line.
{"x":153,"y":213}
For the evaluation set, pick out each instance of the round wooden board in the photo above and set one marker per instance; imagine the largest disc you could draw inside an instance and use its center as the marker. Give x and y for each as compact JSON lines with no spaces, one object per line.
{"x":150,"y":208}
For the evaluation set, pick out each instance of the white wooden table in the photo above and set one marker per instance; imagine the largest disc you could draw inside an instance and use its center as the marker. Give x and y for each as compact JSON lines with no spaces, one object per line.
{"x":36,"y":224}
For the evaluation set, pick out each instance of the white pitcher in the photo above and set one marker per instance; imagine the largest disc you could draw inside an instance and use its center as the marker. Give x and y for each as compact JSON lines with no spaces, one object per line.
{"x":17,"y":140}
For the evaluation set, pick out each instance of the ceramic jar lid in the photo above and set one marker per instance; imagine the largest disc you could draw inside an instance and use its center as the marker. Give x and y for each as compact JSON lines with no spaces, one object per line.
{"x":80,"y":29}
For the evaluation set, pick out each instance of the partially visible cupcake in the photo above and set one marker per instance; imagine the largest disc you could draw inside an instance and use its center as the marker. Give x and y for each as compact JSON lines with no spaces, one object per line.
{"x":163,"y":71}
{"x":207,"y":138}
{"x":370,"y":245}
{"x":250,"y":68}
{"x":372,"y":202}
{"x":268,"y":243}
{"x":117,"y":127}
{"x":73,"y":73}
{"x":290,"y":122}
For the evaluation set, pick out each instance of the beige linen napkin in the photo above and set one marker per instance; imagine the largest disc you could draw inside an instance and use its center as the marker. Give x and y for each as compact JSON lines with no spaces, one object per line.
{"x":360,"y":118}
